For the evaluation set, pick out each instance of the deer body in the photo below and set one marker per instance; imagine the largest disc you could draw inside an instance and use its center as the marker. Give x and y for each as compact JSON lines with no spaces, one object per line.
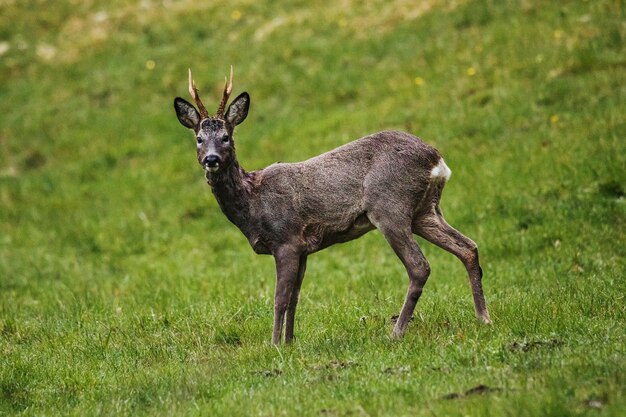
{"x":390,"y":180}
{"x":326,"y":199}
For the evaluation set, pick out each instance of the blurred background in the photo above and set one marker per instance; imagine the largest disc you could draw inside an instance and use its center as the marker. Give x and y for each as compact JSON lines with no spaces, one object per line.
{"x":503,"y":90}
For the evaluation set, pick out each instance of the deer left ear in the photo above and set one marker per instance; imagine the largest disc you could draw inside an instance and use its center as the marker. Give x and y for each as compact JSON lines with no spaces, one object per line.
{"x":238,"y":109}
{"x":187,"y":114}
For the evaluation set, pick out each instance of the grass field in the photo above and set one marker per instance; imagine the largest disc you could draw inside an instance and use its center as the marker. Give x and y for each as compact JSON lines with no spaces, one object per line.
{"x":125,"y":291}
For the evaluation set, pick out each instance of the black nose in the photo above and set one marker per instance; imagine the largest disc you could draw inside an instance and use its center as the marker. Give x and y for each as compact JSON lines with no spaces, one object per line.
{"x":211,"y":161}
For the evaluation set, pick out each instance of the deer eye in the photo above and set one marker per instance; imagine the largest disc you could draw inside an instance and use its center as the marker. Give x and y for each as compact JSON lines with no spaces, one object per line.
{"x":225,"y":138}
{"x":199,"y":140}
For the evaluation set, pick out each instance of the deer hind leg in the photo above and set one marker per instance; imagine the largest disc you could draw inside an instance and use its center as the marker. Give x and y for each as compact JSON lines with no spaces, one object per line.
{"x":401,"y":241}
{"x":435,"y":229}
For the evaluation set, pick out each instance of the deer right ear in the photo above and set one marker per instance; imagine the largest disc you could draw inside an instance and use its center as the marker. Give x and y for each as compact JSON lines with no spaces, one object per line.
{"x":187,"y":114}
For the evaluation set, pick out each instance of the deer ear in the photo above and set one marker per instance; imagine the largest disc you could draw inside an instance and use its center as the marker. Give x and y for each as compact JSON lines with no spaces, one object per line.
{"x":187,"y":114}
{"x":238,"y":109}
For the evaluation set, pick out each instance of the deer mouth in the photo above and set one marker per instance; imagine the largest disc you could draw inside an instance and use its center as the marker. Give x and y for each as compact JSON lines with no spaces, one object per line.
{"x":214,"y":167}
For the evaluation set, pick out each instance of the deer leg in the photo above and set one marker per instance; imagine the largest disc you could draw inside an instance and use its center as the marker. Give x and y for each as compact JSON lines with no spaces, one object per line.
{"x":287,"y":266}
{"x":436,"y":230}
{"x":293,"y":300}
{"x":402,"y":242}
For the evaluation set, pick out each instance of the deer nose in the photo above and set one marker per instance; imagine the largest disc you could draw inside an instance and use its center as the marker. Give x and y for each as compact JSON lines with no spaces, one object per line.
{"x":211,"y":161}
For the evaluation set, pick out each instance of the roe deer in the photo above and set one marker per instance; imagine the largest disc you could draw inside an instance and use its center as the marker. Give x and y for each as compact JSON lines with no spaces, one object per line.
{"x":391,"y":181}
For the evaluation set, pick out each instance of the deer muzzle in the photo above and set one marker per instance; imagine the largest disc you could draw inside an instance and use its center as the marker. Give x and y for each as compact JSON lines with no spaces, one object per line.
{"x":211,"y":163}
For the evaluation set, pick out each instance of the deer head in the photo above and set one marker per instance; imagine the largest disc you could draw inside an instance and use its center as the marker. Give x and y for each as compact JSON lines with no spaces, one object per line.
{"x":214,"y":134}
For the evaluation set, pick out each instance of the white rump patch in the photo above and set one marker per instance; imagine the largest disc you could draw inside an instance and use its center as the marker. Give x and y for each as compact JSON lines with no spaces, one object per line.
{"x":441,"y":170}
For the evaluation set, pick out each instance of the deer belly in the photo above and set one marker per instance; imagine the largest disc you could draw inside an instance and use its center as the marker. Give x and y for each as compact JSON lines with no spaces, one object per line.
{"x":320,"y":236}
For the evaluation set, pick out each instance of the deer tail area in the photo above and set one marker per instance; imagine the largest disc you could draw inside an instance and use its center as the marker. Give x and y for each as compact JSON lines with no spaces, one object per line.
{"x":441,"y":170}
{"x":439,"y":175}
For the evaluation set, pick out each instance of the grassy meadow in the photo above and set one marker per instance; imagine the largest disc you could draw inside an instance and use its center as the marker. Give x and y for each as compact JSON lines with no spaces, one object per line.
{"x":125,"y":291}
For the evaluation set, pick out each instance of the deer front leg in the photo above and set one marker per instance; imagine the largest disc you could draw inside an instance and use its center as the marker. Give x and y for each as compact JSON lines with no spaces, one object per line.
{"x":293,"y":301}
{"x":287,"y":267}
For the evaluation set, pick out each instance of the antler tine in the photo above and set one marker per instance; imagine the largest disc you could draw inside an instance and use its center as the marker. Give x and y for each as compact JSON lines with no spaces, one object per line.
{"x":194,"y":94}
{"x":192,"y":91}
{"x":228,"y":88}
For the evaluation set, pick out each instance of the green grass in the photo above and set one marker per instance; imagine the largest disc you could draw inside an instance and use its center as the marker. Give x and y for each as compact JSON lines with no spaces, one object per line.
{"x":125,"y":291}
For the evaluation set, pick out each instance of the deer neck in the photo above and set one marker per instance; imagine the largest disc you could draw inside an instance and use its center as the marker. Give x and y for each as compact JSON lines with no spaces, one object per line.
{"x":232,"y":189}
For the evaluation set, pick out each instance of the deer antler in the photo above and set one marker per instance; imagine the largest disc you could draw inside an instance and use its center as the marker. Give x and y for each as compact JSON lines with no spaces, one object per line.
{"x":194,"y":94}
{"x":228,"y":88}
